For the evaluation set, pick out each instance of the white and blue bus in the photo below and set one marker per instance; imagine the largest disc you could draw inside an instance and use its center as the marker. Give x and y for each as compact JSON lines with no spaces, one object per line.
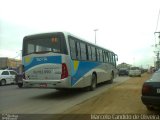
{"x":62,"y":60}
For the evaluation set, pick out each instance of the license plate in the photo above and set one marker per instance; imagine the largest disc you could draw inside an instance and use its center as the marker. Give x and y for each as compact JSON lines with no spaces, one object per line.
{"x":44,"y":85}
{"x":158,"y":90}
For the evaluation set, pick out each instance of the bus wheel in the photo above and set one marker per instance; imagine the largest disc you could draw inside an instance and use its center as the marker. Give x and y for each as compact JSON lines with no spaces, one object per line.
{"x":94,"y":82}
{"x":112,"y":77}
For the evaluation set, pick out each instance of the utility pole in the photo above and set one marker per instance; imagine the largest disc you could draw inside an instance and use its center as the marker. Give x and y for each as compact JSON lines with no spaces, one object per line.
{"x":95,"y":30}
{"x":157,"y":63}
{"x":157,"y":52}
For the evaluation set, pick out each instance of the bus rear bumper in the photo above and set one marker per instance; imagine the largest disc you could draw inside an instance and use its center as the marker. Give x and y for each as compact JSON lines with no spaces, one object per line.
{"x":63,"y":83}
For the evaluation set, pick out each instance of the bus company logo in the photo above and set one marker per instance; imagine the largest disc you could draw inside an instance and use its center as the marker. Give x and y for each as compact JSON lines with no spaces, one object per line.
{"x":41,"y":59}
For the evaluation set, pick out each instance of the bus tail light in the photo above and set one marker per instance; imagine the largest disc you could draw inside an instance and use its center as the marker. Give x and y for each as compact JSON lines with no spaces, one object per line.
{"x":64,"y":71}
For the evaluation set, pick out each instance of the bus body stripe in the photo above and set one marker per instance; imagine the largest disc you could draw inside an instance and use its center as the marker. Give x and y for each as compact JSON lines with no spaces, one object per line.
{"x":82,"y":69}
{"x":31,"y":62}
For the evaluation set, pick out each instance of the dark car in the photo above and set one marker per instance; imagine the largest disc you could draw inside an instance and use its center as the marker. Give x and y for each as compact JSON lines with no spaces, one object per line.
{"x":151,"y":92}
{"x":123,"y":71}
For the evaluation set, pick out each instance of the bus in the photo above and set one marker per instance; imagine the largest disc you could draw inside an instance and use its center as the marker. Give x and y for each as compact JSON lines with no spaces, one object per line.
{"x":61,"y":60}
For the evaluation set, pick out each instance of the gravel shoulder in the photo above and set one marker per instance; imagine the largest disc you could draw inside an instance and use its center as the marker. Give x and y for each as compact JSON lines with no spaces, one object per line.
{"x":124,"y":98}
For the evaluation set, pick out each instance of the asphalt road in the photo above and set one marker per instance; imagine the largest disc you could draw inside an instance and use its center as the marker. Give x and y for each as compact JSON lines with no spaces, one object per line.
{"x":14,"y":100}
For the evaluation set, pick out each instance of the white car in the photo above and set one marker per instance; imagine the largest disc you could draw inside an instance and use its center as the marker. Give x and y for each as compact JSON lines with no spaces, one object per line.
{"x":135,"y":71}
{"x":7,"y":77}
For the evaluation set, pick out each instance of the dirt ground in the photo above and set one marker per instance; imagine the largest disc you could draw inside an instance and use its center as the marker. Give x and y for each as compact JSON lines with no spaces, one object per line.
{"x":121,"y":99}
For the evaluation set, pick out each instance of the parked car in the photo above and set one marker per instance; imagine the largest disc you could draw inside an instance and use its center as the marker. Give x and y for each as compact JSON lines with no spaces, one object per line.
{"x":135,"y":71}
{"x":151,"y":92}
{"x":7,"y":77}
{"x":123,"y":71}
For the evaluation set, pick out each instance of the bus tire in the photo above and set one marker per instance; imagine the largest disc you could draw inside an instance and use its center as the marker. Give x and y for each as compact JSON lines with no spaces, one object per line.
{"x":93,"y":82}
{"x":112,"y":77}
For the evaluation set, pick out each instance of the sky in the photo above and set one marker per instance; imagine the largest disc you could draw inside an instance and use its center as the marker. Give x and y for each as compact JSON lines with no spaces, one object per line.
{"x":124,"y":26}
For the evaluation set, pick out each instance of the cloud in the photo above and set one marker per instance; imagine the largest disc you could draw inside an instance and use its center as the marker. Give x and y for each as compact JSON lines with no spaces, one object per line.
{"x":125,"y":27}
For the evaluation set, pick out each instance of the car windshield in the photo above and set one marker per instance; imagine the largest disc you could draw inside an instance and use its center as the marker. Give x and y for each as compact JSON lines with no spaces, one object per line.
{"x":123,"y":69}
{"x":134,"y":68}
{"x":156,"y":77}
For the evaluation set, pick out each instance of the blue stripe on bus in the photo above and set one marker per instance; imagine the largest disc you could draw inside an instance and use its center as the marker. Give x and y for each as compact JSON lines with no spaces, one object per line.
{"x":83,"y":68}
{"x":41,"y":60}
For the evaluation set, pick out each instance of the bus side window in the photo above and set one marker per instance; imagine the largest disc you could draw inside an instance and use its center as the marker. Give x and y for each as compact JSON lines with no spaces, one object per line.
{"x":30,"y":48}
{"x":114,"y":60}
{"x":97,"y":51}
{"x":100,"y":55}
{"x":107,"y":56}
{"x":104,"y":56}
{"x":89,"y":53}
{"x":72,"y":48}
{"x":83,"y":51}
{"x":111,"y":58}
{"x":78,"y":53}
{"x":93,"y":53}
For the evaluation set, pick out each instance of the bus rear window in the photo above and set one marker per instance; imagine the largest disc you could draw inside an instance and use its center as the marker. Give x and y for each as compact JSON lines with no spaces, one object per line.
{"x":44,"y":45}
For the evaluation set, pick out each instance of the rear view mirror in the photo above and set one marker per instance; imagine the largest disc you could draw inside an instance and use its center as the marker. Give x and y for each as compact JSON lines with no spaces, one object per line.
{"x":117,"y":57}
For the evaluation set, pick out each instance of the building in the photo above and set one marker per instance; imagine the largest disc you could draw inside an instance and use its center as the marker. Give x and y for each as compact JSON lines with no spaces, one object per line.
{"x":10,"y":63}
{"x":123,"y":65}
